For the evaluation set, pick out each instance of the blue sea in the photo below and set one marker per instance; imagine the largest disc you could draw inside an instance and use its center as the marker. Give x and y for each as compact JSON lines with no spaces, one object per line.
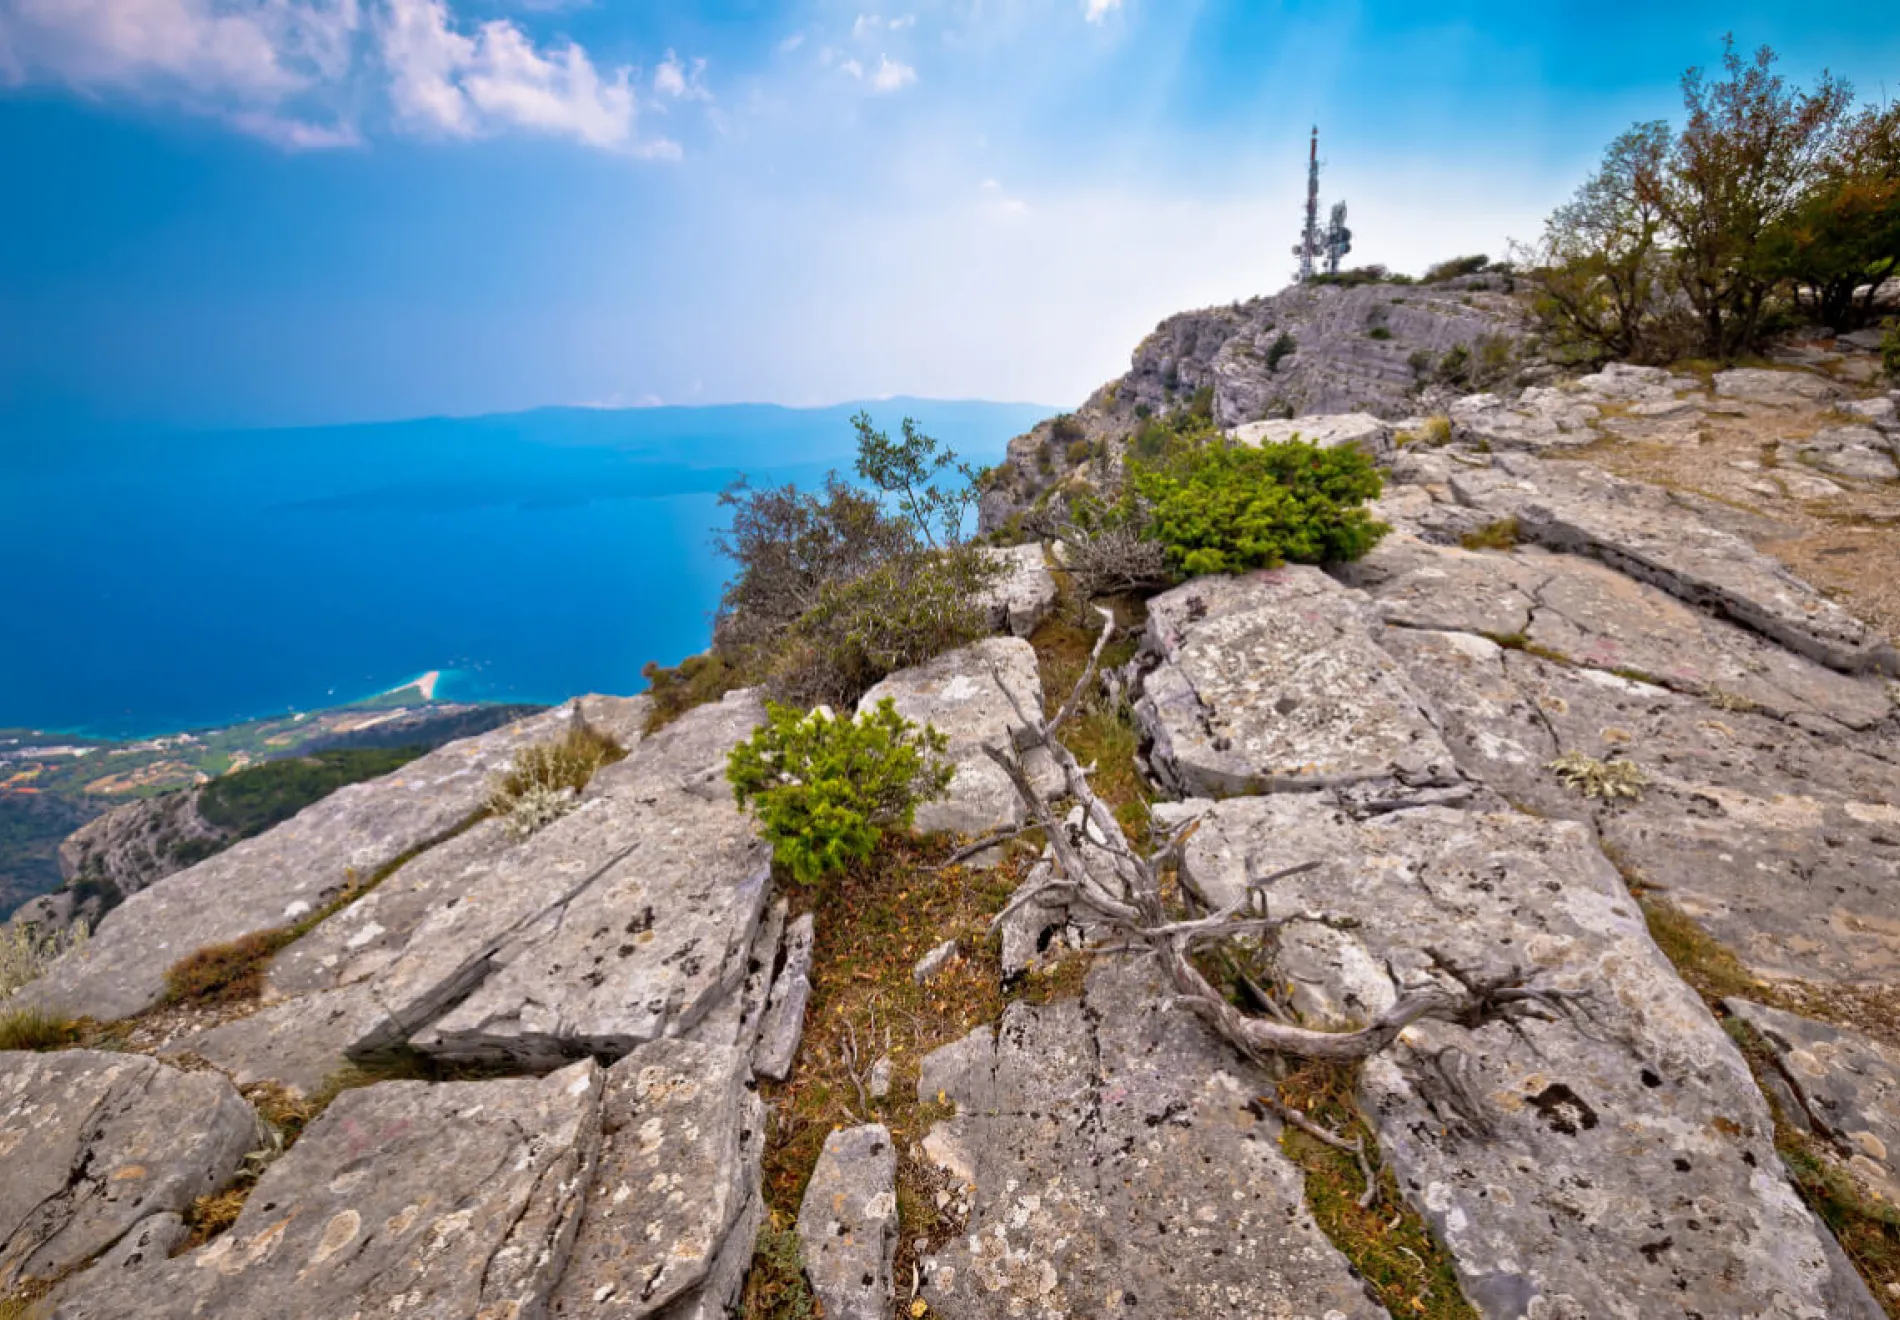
{"x":165,"y":581}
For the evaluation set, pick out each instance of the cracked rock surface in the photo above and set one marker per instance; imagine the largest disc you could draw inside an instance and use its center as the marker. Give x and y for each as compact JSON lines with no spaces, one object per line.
{"x":443,"y":1201}
{"x":92,"y":1143}
{"x":271,"y":880}
{"x":1609,"y":1161}
{"x":1275,"y":682}
{"x":1117,"y":1165}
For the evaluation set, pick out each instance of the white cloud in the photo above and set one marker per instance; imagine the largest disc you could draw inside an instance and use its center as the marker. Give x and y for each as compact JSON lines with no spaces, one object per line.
{"x":1097,"y":10}
{"x":443,"y":81}
{"x":241,"y":60}
{"x":999,"y":203}
{"x":791,"y":43}
{"x":674,"y":79}
{"x":892,"y":76}
{"x":296,"y":72}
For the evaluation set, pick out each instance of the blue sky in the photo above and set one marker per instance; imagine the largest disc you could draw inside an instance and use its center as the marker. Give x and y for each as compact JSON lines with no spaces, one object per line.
{"x":265,"y":212}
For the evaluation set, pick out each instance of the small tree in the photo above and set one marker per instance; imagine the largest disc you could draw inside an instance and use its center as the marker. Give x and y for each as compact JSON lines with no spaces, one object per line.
{"x":1845,"y":234}
{"x":906,"y":468}
{"x":1745,"y":160}
{"x":825,"y":790}
{"x":1597,"y":273}
{"x":789,"y":544}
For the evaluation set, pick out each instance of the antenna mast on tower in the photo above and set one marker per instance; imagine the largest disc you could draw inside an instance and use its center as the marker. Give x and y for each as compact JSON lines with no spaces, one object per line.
{"x":1310,"y":241}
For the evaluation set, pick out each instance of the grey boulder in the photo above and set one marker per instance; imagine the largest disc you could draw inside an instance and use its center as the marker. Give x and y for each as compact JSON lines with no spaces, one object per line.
{"x":847,"y":1224}
{"x":442,"y":1202}
{"x":95,"y":1143}
{"x":959,"y":694}
{"x":1273,"y":682}
{"x":670,"y":1183}
{"x":1024,"y":592}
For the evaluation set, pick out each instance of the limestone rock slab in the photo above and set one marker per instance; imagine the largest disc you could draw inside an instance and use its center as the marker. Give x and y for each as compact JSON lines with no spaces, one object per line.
{"x":440,"y":1201}
{"x":670,"y":1182}
{"x":1115,"y":1165}
{"x":783,"y":1022}
{"x":957,"y":693}
{"x":645,"y":949}
{"x":1847,"y":1087}
{"x":271,"y":880}
{"x":847,"y":1224}
{"x":1582,"y":609}
{"x":1783,"y":842}
{"x":1644,"y":532}
{"x":657,"y":831}
{"x":1273,"y":682}
{"x":93,"y":1143}
{"x":298,"y":1043}
{"x":1615,"y":1162}
{"x":1775,"y":389}
{"x":1024,"y":593}
{"x":367,"y":936}
{"x":1363,"y":431}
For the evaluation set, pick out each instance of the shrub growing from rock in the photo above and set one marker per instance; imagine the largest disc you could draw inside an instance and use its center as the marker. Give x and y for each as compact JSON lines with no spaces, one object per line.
{"x":1227,"y":508}
{"x":898,"y":614}
{"x":26,"y":951}
{"x":826,"y":789}
{"x":546,"y":779}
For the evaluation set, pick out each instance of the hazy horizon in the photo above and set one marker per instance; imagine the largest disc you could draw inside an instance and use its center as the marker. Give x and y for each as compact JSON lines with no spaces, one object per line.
{"x":234,"y":213}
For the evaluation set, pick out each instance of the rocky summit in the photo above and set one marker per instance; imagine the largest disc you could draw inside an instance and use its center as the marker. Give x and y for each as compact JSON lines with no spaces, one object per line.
{"x":1612,"y":711}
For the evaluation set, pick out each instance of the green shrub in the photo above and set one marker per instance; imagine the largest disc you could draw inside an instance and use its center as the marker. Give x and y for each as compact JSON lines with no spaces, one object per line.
{"x":1282,"y":347}
{"x":898,"y":614}
{"x":1226,"y":508}
{"x":1454,"y":368}
{"x":1890,"y":350}
{"x":825,"y":789}
{"x":1079,"y":452}
{"x":695,"y":681}
{"x":1379,"y":332}
{"x":546,"y":779}
{"x":1455,"y":268}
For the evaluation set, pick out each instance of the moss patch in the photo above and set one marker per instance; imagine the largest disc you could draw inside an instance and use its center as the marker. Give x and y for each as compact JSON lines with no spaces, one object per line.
{"x":1404,"y":1267}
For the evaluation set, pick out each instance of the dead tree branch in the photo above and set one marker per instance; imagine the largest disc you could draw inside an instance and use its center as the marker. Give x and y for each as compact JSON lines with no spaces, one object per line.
{"x":1119,"y":893}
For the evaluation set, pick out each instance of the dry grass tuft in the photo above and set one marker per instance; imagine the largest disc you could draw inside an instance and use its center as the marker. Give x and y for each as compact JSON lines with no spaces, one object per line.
{"x":30,"y":1028}
{"x":1504,"y":534}
{"x":546,"y":779}
{"x":225,"y":973}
